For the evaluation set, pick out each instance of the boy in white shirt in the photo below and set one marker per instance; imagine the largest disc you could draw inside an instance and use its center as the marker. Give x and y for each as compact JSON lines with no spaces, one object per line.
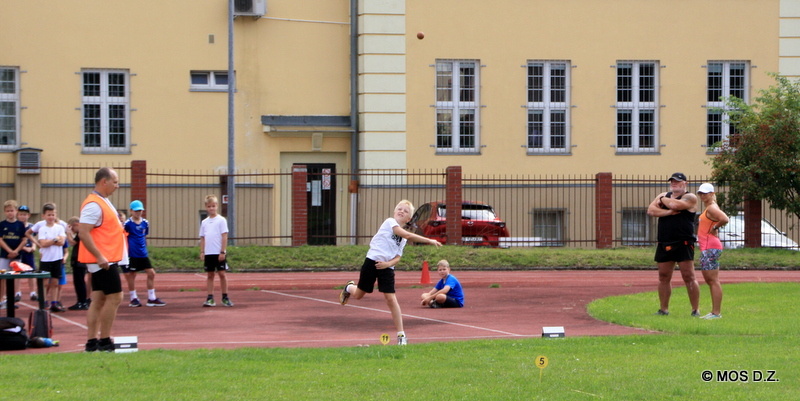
{"x":50,"y":238}
{"x":385,"y":250}
{"x":213,"y":253}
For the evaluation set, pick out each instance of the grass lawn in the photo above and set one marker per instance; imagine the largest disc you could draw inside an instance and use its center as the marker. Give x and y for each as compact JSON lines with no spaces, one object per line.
{"x":757,"y":334}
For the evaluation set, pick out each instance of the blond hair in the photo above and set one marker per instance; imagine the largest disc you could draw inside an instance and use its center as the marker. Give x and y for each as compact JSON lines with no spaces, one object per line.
{"x":443,"y":263}
{"x":11,"y":202}
{"x":211,"y":198}
{"x":408,"y":203}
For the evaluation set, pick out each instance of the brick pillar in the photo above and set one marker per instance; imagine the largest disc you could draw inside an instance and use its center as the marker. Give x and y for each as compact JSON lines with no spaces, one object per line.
{"x":603,"y":211}
{"x":299,"y":205}
{"x":139,"y":183}
{"x":454,"y":197}
{"x":752,"y":223}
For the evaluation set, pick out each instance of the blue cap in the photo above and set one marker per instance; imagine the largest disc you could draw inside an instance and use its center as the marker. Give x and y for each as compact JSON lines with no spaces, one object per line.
{"x":24,"y":208}
{"x":137,"y":205}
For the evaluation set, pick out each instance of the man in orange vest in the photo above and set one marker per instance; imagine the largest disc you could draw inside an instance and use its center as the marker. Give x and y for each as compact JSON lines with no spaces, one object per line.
{"x":103,"y":249}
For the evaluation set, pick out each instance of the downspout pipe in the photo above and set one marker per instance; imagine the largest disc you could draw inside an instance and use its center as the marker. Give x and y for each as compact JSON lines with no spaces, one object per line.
{"x":353,"y":186}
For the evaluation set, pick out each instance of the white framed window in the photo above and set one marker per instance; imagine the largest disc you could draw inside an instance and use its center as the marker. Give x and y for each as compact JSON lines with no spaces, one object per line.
{"x":457,"y":106}
{"x":549,"y":225}
{"x":105,"y":96}
{"x":637,"y":227}
{"x":9,"y":107}
{"x":725,"y":79}
{"x":637,"y":106}
{"x":548,"y":107}
{"x":212,"y":81}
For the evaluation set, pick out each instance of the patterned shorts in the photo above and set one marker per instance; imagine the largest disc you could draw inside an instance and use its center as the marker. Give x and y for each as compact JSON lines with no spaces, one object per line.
{"x":709,"y":259}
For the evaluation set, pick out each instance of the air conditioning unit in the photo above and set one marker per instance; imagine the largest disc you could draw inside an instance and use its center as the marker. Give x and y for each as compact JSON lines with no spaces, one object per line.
{"x":29,"y":161}
{"x":249,"y":8}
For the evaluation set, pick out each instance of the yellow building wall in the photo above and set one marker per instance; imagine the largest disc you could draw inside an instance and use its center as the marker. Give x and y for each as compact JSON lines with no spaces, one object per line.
{"x":681,"y":35}
{"x":293,"y":62}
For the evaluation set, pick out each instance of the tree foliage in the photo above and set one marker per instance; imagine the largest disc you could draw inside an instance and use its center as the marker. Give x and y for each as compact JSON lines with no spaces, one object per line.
{"x":762,"y":160}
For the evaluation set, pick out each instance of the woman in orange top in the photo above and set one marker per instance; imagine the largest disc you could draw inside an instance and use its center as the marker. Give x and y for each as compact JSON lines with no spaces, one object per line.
{"x":711,"y":220}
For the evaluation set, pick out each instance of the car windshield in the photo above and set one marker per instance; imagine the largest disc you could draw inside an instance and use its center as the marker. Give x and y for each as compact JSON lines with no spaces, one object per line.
{"x":471,"y":212}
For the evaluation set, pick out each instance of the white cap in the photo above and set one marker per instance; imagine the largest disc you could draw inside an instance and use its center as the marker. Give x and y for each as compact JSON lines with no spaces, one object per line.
{"x":706,"y":188}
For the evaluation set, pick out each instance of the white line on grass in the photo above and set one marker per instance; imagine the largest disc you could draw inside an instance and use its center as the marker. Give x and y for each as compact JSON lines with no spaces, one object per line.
{"x":405,"y":315}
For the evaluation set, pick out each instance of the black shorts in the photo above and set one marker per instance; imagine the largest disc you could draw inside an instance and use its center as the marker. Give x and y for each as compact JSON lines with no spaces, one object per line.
{"x":212,"y":264}
{"x":136,"y":265}
{"x":107,"y":281}
{"x":385,"y":277}
{"x":53,"y":267}
{"x":450,"y":303}
{"x":678,"y":251}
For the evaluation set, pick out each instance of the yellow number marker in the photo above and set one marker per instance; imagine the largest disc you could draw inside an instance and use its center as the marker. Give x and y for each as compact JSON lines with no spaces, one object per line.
{"x":385,"y":339}
{"x":541,"y":363}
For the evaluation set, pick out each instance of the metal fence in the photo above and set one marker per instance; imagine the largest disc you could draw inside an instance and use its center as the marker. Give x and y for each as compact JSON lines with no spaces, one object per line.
{"x":538,"y":210}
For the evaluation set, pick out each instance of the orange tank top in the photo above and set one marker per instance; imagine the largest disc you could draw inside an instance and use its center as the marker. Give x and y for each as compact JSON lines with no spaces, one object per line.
{"x":108,"y":237}
{"x":705,"y":238}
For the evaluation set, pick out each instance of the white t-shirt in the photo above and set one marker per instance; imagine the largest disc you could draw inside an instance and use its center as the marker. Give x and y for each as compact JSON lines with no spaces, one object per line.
{"x":211,"y":229}
{"x":385,"y":245}
{"x":93,"y":214}
{"x":54,"y":252}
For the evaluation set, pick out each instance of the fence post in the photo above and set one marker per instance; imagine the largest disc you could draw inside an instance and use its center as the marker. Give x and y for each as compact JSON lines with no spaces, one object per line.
{"x":752,"y":223}
{"x":603,"y":213}
{"x":139,"y":183}
{"x":454,"y":195}
{"x":299,"y":205}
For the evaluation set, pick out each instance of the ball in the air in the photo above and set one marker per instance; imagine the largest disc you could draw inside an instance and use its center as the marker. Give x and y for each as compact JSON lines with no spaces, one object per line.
{"x":420,"y":35}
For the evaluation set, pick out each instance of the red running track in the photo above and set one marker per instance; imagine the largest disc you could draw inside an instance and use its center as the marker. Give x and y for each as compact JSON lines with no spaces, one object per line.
{"x":302,"y":309}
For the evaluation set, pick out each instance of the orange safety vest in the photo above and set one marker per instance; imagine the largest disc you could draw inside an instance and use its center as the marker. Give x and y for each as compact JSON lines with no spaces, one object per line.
{"x":108,"y":237}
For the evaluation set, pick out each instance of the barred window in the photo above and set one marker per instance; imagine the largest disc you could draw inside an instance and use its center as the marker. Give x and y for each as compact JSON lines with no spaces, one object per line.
{"x":106,"y":111}
{"x":9,"y":107}
{"x":548,"y":107}
{"x":457,"y":106}
{"x":549,"y":226}
{"x":637,"y":106}
{"x":637,"y":227}
{"x":725,"y":79}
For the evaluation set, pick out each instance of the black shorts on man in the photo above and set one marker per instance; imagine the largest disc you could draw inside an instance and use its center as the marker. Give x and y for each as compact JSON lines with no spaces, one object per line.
{"x":678,"y":251}
{"x":107,"y":280}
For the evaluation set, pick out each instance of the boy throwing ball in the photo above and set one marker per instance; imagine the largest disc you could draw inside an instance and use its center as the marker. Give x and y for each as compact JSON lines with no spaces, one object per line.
{"x":385,"y":250}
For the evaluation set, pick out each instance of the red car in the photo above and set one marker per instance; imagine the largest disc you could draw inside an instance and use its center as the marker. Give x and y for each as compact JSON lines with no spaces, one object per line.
{"x":479,"y":223}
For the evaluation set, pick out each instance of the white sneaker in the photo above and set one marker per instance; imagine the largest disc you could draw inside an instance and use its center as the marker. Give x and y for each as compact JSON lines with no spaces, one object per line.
{"x":402,"y":340}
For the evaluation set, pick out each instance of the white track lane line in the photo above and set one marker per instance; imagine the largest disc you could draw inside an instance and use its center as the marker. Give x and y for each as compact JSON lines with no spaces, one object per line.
{"x":404,"y":315}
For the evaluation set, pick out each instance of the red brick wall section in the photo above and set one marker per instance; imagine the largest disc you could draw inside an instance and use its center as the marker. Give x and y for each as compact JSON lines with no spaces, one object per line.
{"x":604,"y":213}
{"x":752,"y":223}
{"x":138,"y":184}
{"x":299,"y":205}
{"x":454,"y":197}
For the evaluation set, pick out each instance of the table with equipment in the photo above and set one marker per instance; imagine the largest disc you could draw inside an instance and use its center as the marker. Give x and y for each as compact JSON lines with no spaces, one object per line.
{"x":10,"y":277}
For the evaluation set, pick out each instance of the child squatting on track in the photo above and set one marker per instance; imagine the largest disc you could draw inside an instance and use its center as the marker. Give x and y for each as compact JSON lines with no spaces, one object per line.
{"x":385,"y":250}
{"x":447,"y":293}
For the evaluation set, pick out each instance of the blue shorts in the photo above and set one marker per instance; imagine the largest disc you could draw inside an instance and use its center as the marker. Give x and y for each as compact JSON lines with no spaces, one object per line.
{"x":709,"y":259}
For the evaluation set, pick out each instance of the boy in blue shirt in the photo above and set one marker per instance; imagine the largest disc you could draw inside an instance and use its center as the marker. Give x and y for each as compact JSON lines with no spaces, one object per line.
{"x":137,"y":229}
{"x":447,"y":293}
